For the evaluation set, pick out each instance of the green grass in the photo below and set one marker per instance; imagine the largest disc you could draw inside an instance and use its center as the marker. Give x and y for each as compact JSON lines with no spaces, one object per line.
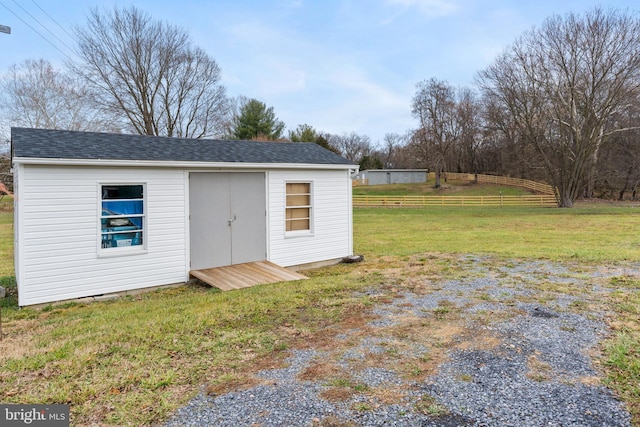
{"x":6,"y":241}
{"x":623,"y":351}
{"x":451,"y":188}
{"x":588,"y":234}
{"x":132,"y":361}
{"x":11,"y":291}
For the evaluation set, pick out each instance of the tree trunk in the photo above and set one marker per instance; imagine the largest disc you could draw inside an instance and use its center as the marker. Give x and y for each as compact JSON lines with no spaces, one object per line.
{"x":565,"y":202}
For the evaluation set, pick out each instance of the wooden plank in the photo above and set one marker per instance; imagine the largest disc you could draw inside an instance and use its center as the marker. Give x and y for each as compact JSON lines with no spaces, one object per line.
{"x":280,"y":272}
{"x":219,"y":281}
{"x":245,"y":275}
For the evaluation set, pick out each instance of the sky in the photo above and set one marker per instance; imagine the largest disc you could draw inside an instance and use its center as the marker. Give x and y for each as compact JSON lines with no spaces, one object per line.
{"x":340,"y":66}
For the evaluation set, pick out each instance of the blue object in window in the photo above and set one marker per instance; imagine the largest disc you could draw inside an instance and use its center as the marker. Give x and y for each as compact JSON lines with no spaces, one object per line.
{"x":122,"y":216}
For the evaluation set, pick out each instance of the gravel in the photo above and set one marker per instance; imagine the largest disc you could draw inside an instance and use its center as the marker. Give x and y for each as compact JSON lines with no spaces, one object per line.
{"x":537,"y":373}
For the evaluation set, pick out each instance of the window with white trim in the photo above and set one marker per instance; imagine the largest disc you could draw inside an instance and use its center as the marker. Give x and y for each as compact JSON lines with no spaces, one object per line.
{"x":298,"y":207}
{"x":122,"y":216}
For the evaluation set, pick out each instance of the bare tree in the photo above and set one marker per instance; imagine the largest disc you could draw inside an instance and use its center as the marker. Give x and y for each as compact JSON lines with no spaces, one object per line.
{"x":618,"y":168}
{"x":504,"y":151}
{"x":234,"y":106}
{"x":561,"y":83}
{"x":150,"y":74}
{"x":469,"y":117}
{"x":434,"y":105}
{"x":6,"y":177}
{"x":393,"y":142}
{"x":34,"y":94}
{"x":351,"y":146}
{"x":409,"y":155}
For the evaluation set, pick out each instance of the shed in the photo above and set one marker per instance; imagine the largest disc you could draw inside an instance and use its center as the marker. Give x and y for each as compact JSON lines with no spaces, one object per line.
{"x":392,"y":176}
{"x":99,"y":213}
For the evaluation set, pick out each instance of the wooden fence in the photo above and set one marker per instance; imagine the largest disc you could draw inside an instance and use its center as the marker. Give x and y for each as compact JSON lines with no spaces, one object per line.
{"x":544,"y":200}
{"x":498,"y":180}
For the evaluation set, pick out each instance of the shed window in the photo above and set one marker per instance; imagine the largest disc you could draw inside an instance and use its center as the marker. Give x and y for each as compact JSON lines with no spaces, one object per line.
{"x":122,"y":218}
{"x":298,"y":209}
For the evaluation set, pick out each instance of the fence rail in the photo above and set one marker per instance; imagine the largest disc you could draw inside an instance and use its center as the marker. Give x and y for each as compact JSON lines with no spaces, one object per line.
{"x":544,"y":200}
{"x":499,"y":180}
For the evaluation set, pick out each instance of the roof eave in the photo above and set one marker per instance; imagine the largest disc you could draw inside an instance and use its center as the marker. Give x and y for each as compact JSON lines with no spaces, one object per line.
{"x":175,"y":164}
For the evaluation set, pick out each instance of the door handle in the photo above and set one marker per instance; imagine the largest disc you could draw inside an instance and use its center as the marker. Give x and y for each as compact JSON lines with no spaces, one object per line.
{"x":230,"y":221}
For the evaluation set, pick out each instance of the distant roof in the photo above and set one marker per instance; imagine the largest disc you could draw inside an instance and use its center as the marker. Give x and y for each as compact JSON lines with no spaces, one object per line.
{"x":63,"y":144}
{"x":395,"y":170}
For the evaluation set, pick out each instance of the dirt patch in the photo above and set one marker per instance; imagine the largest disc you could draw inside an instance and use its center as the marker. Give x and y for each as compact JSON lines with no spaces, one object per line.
{"x":321,"y":371}
{"x":538,"y":370}
{"x":337,"y":394}
{"x":237,"y":383}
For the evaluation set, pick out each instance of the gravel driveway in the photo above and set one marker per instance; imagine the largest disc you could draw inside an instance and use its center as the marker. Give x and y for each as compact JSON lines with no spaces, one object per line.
{"x":503,"y":344}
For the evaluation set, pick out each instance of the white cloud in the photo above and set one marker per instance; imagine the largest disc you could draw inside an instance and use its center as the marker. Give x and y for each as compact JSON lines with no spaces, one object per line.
{"x":430,"y":8}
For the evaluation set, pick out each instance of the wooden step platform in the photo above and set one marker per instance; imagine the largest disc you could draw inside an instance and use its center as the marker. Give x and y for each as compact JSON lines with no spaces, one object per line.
{"x":245,"y":275}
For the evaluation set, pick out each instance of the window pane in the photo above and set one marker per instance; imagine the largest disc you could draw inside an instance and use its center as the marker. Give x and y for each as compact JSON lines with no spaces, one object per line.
{"x":298,"y":224}
{"x":122,"y":216}
{"x":298,"y":187}
{"x":119,"y":240}
{"x":299,"y":200}
{"x":122,"y":192}
{"x":298,"y":210}
{"x":298,"y":213}
{"x":122,"y":207}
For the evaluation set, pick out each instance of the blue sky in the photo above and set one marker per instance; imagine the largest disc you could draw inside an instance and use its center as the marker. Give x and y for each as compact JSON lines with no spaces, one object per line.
{"x":338,"y":65}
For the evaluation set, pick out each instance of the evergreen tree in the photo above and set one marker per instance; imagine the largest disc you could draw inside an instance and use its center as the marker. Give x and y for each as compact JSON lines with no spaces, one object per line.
{"x":257,"y":121}
{"x":307,"y":133}
{"x":303,"y":133}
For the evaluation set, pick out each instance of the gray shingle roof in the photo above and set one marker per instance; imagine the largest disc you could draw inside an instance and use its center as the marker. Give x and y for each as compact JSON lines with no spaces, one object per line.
{"x":63,"y":144}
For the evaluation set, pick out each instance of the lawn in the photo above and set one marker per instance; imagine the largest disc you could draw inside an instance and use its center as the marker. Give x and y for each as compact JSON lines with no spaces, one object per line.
{"x":450,"y":188}
{"x":6,"y":237}
{"x":586,"y":233}
{"x":133,"y":360}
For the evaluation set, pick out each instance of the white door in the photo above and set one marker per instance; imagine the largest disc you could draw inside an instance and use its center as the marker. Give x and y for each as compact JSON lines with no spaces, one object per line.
{"x":227,"y":218}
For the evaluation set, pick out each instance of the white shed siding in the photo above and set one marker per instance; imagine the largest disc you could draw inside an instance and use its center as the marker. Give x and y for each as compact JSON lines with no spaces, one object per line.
{"x":58,"y":233}
{"x":332,"y":234}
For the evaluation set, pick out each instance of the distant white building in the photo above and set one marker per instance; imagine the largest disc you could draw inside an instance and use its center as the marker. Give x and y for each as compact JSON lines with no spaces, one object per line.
{"x":392,"y":176}
{"x":100,"y":213}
